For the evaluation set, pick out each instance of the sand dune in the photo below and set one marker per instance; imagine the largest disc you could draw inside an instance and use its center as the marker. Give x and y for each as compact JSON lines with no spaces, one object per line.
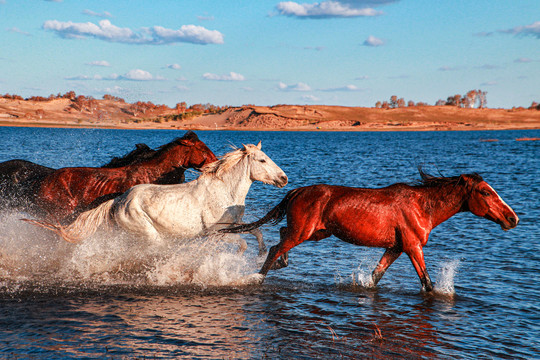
{"x":115,"y":114}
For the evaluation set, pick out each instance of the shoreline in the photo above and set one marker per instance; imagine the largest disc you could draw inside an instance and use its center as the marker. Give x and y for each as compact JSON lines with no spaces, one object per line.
{"x":150,"y":126}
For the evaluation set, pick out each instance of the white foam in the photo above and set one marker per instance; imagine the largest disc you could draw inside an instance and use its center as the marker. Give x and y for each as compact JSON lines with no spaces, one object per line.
{"x":444,"y":284}
{"x":29,"y":253}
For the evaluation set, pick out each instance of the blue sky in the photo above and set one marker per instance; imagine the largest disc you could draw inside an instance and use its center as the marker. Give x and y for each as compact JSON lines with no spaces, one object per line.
{"x":267,"y":52}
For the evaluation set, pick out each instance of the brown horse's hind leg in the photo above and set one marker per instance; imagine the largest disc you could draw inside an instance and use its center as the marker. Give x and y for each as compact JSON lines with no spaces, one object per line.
{"x":417,"y":258}
{"x":387,"y":259}
{"x":276,"y":252}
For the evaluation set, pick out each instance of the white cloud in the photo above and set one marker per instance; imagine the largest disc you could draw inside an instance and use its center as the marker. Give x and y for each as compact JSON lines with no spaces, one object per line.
{"x":232,"y":76}
{"x":82,"y":77}
{"x":115,"y":90}
{"x":99,"y":63}
{"x":326,"y":9}
{"x":140,"y":75}
{"x":489,"y":83}
{"x":344,"y":88}
{"x":310,"y":98}
{"x":181,"y":88}
{"x":173,"y":66}
{"x":527,"y":30}
{"x":523,"y":60}
{"x":156,"y":35}
{"x":104,"y":14}
{"x":449,"y":68}
{"x":205,"y":18}
{"x":295,"y":87}
{"x":133,"y":75}
{"x":19,"y":31}
{"x":373,"y":41}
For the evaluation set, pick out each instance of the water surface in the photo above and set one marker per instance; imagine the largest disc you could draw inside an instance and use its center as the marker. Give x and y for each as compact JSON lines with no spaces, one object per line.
{"x":113,"y":297}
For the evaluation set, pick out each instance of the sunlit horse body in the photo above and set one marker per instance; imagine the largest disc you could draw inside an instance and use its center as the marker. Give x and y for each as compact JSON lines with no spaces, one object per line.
{"x":69,"y":191}
{"x":156,"y":213}
{"x":20,"y":178}
{"x":399,"y":217}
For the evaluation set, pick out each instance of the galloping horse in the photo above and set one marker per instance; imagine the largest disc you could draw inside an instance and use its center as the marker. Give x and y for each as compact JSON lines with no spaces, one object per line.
{"x":18,"y":176}
{"x":398,"y":218}
{"x":69,"y":191}
{"x":183,"y":211}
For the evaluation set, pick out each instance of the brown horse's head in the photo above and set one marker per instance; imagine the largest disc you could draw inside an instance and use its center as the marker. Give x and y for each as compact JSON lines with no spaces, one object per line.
{"x":484,"y":201}
{"x":196,"y":154}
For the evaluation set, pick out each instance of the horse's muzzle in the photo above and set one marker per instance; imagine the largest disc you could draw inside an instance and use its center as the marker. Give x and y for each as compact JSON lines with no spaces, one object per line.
{"x":510,"y":223}
{"x":282,"y":181}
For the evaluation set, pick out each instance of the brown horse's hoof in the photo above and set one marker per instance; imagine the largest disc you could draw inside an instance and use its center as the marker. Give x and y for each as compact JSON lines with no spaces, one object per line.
{"x":282,"y":262}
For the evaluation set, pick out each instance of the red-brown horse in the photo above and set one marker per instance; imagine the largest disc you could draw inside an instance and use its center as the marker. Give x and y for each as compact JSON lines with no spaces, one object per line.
{"x":398,"y":218}
{"x":68,"y":191}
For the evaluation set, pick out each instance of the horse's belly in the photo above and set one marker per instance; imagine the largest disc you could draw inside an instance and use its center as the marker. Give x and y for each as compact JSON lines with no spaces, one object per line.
{"x":365,"y":233}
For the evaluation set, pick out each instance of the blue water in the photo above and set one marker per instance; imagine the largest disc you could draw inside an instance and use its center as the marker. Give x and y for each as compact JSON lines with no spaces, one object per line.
{"x":109,"y":298}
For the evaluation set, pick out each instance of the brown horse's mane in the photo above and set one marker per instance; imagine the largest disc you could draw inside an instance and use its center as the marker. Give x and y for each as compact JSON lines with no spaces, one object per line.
{"x":428,"y":180}
{"x":143,"y":152}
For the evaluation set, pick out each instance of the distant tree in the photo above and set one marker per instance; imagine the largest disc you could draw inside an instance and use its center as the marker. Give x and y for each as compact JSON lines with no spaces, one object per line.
{"x":534,"y":106}
{"x":385,"y":105}
{"x":70,"y":95}
{"x":181,"y":107}
{"x":400,"y":103}
{"x":393,"y":102}
{"x":440,"y":102}
{"x":410,"y":103}
{"x":378,"y":104}
{"x":482,"y":95}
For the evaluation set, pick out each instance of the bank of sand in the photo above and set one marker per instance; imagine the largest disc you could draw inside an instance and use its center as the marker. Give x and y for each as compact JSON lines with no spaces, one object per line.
{"x":119,"y":115}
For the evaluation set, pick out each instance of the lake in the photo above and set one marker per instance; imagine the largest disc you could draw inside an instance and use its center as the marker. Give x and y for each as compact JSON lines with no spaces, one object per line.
{"x":109,"y":297}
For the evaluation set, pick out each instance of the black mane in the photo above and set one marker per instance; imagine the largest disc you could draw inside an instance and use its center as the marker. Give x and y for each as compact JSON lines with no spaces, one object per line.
{"x":143,"y":152}
{"x":428,"y":180}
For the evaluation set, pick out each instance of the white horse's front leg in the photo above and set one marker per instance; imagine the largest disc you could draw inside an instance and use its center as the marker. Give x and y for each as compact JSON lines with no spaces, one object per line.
{"x":258,"y":235}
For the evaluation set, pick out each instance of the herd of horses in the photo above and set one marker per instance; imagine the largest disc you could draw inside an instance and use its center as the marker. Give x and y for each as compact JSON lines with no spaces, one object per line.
{"x":144,"y":194}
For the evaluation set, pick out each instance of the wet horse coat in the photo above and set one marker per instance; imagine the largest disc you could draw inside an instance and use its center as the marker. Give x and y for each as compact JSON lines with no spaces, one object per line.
{"x":69,"y":191}
{"x":156,"y":213}
{"x":398,"y":218}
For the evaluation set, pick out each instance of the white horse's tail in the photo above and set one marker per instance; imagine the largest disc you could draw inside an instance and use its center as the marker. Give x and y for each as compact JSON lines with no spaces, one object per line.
{"x":83,"y":227}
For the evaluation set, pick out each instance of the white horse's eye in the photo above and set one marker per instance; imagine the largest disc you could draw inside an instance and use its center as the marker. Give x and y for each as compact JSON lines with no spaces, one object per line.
{"x":263,"y":160}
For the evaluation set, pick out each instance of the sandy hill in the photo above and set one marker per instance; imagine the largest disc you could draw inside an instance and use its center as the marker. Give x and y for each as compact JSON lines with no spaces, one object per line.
{"x":119,"y":114}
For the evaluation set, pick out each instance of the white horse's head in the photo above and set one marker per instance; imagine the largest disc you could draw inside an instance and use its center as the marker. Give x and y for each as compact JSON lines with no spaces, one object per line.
{"x":262,"y":168}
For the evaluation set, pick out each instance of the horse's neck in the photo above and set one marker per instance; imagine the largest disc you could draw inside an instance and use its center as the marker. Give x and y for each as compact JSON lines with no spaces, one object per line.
{"x":162,"y":163}
{"x":444,"y":202}
{"x":233,"y":185}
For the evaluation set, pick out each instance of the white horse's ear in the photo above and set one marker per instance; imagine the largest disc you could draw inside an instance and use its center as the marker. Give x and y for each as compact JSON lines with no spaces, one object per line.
{"x":259,"y":145}
{"x":244,"y":147}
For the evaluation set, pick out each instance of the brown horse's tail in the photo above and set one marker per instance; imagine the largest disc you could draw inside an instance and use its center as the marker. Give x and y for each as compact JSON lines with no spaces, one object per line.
{"x":274,"y":216}
{"x":83,"y":227}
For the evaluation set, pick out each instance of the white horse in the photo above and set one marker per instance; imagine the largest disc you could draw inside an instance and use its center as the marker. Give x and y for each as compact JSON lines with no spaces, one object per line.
{"x":156,"y":212}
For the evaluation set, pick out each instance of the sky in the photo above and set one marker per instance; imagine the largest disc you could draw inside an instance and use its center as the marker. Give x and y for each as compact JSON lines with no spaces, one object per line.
{"x":269,"y":52}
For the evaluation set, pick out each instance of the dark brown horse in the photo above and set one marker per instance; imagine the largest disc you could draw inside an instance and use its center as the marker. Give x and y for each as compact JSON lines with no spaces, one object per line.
{"x":68,"y":191}
{"x":17,"y":176}
{"x":398,"y":218}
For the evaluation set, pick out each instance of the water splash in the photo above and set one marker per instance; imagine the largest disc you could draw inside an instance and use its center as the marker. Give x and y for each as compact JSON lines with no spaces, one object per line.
{"x":33,"y":255}
{"x":444,"y":284}
{"x":361,"y":276}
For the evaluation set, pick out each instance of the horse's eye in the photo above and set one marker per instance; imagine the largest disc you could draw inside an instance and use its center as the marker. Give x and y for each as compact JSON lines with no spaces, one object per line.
{"x":485,"y":193}
{"x":263,"y":160}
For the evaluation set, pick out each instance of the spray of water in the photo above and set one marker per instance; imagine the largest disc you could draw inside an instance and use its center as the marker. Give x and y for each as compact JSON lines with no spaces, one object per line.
{"x":33,"y":255}
{"x":444,"y":284}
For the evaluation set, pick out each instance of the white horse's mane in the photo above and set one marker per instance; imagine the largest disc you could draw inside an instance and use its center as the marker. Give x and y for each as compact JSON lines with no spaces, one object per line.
{"x":227,"y":161}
